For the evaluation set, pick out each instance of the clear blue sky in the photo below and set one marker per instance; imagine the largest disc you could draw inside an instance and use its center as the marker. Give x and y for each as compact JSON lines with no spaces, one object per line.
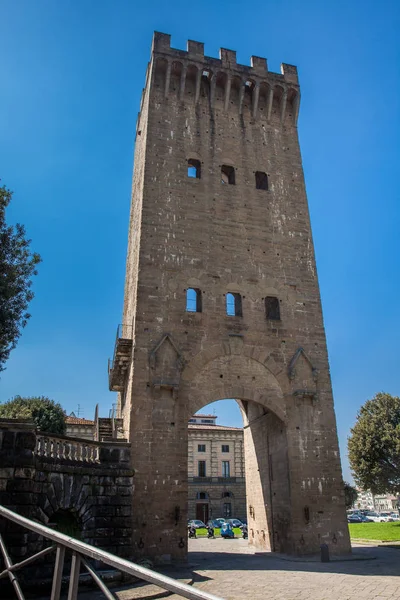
{"x":71,"y":78}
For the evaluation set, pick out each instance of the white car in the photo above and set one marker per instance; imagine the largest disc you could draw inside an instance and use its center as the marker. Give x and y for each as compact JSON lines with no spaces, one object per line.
{"x":378,"y":517}
{"x":386,"y":517}
{"x":395,"y":516}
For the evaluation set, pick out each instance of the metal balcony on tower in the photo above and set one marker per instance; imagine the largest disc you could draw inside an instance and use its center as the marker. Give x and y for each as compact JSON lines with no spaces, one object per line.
{"x":119,"y":365}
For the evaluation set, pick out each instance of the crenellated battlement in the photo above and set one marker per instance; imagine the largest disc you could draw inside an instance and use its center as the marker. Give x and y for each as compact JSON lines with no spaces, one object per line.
{"x":227,"y":59}
{"x":253,"y":90}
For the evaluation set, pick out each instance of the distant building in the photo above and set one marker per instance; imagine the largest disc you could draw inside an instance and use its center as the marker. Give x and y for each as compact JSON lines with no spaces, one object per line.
{"x":366,"y":500}
{"x":385,"y":502}
{"x":79,"y":428}
{"x":215,"y":470}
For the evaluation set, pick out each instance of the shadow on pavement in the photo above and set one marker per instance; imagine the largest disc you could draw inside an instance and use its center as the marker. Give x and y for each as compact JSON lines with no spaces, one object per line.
{"x":369,"y":561}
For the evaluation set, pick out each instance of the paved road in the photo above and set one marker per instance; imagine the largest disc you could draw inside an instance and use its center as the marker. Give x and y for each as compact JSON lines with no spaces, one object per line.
{"x":230,"y":569}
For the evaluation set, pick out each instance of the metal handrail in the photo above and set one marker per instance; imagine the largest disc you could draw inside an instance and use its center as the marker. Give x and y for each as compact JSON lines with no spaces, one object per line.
{"x":81,"y":549}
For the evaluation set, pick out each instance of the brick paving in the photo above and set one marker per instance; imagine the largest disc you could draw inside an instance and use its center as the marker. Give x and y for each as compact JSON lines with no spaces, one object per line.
{"x":232,"y":570}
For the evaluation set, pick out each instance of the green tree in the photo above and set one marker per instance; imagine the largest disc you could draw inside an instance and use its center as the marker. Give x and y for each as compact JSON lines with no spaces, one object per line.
{"x":350,"y":494}
{"x":45,"y":413}
{"x":17,"y":266}
{"x":374,"y":445}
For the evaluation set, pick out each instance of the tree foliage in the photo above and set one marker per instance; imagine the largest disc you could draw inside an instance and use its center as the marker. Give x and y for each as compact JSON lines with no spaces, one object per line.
{"x":17,"y":266}
{"x":350,"y":494}
{"x":374,"y":445}
{"x":45,"y":413}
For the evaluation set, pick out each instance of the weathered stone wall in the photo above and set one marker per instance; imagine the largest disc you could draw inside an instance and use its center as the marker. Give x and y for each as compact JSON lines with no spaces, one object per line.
{"x":97,"y":493}
{"x":220,"y":238}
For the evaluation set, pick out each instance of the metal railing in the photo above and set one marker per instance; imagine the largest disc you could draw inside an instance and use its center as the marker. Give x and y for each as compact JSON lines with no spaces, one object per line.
{"x":80,"y":553}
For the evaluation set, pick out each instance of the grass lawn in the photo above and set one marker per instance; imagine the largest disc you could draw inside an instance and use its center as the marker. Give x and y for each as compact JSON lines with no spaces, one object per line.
{"x":382,"y":532}
{"x":202,"y":532}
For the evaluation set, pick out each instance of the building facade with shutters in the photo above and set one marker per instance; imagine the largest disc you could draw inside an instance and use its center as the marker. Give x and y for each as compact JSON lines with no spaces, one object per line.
{"x":215,"y":470}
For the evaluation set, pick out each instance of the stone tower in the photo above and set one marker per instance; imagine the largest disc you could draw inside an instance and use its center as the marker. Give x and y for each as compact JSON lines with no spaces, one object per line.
{"x":222,"y":301}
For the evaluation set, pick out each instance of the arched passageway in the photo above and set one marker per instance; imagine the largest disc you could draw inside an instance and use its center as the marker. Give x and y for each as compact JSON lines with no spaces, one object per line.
{"x":242,"y":472}
{"x":293,"y":498}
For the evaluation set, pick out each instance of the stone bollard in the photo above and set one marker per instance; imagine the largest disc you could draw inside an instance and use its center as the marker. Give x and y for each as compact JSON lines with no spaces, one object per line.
{"x":324,"y":553}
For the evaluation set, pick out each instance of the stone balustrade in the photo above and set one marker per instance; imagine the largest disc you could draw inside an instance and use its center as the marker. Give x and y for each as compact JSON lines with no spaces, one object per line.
{"x":62,"y":448}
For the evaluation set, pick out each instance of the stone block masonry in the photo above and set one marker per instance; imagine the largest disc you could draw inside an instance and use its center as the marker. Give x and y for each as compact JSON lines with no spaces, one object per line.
{"x":219,"y":217}
{"x":45,"y":477}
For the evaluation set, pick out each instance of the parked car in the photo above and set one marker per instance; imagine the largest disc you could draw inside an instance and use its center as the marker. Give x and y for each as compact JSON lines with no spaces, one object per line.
{"x":220,"y":520}
{"x":234,"y":522}
{"x":196,"y":523}
{"x":386,"y":517}
{"x":215,"y":523}
{"x":395,"y":516}
{"x":358,"y":518}
{"x":377,"y":517}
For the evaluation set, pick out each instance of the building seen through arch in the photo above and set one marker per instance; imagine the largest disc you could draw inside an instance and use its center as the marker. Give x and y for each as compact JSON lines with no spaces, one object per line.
{"x":216,"y":470}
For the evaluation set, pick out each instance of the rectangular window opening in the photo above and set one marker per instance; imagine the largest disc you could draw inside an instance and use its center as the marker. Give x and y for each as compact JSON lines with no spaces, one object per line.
{"x":194,"y":168}
{"x":261,"y":180}
{"x":272,"y":310}
{"x":227,"y":510}
{"x":233,"y":305}
{"x":201,"y":448}
{"x":225,"y":448}
{"x":228,"y":175}
{"x":193,"y":300}
{"x":202,"y":468}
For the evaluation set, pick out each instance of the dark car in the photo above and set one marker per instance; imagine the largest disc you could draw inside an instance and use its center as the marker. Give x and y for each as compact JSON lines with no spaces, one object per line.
{"x":213,"y":523}
{"x":196,"y":523}
{"x":358,"y":518}
{"x":234,"y":522}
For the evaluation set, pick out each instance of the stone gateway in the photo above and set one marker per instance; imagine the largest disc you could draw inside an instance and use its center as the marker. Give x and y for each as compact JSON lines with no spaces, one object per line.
{"x":222,"y":301}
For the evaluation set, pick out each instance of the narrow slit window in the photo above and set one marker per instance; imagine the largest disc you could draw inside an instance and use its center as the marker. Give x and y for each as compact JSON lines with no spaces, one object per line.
{"x":272,"y":310}
{"x":193,"y":300}
{"x":233,"y":305}
{"x":194,"y":168}
{"x":227,"y":175}
{"x":261,"y":180}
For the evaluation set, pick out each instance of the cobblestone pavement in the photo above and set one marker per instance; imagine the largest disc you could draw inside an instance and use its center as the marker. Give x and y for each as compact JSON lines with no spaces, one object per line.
{"x":232,"y":570}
